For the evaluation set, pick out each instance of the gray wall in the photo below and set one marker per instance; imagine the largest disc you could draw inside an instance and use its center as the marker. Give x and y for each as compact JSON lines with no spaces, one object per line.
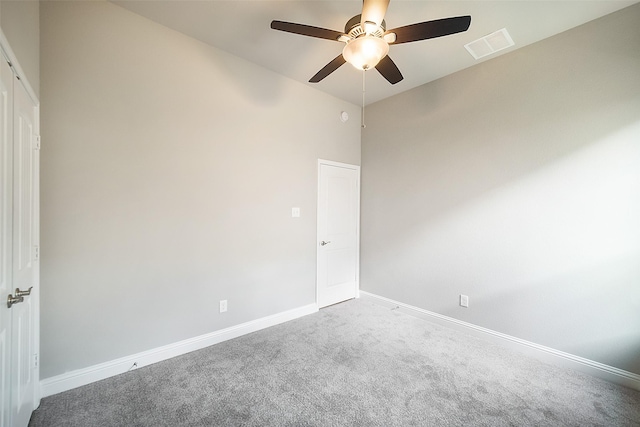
{"x":517,"y":183}
{"x":19,"y":20}
{"x":169,"y":170}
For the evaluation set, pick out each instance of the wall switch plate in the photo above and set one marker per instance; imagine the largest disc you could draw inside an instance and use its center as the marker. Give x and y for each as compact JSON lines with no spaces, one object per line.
{"x":295,"y":212}
{"x":464,"y":301}
{"x":223,"y":305}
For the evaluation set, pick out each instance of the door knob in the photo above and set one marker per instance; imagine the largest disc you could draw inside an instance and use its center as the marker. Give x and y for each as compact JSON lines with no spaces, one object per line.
{"x":324,"y":243}
{"x":20,"y":293}
{"x":13,"y":300}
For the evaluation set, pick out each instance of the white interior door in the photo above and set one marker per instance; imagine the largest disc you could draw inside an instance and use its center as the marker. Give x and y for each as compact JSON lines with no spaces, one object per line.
{"x":19,"y":168}
{"x":6,"y":238}
{"x":338,"y":232}
{"x":25,"y":254}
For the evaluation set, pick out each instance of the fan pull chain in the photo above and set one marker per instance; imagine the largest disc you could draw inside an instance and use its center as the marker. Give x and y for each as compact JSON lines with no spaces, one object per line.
{"x":363,"y":93}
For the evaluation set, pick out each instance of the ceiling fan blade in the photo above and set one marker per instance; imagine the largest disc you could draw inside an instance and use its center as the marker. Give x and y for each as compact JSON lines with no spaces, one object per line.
{"x":430,"y":29}
{"x":328,"y":69}
{"x":389,"y":70}
{"x":374,"y":11}
{"x":306,"y":30}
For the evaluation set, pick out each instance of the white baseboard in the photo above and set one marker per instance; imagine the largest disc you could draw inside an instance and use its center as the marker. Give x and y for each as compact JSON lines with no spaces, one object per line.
{"x":546,"y":354}
{"x":80,"y":377}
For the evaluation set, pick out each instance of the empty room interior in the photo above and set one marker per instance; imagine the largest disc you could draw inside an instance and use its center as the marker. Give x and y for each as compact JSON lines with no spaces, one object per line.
{"x":197,"y":234}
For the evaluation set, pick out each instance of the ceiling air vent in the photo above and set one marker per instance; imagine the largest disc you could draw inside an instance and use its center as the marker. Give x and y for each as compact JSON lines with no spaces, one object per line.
{"x":489,"y":44}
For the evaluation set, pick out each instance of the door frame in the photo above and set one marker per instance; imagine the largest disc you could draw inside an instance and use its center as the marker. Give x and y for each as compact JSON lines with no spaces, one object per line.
{"x":7,"y":52}
{"x":356,"y":168}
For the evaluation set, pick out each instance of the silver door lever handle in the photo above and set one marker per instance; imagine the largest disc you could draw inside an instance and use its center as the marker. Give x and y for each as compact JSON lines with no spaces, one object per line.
{"x":20,"y":293}
{"x":324,"y":243}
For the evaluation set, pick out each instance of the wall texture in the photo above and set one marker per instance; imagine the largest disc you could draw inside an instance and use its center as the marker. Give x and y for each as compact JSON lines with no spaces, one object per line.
{"x":517,"y":183}
{"x":19,"y":20}
{"x":169,"y":170}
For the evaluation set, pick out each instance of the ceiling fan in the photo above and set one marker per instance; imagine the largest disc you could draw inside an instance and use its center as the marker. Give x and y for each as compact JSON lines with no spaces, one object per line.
{"x":367,"y":40}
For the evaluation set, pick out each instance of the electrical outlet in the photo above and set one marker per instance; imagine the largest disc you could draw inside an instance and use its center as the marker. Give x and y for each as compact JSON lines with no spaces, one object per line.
{"x":223,"y":305}
{"x":464,"y":301}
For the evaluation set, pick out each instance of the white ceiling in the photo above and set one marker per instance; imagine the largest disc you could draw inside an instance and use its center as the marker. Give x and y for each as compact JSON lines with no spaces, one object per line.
{"x":242,"y":28}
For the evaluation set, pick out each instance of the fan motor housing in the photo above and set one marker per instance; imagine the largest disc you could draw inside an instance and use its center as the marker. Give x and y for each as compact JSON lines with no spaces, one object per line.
{"x":354,"y":30}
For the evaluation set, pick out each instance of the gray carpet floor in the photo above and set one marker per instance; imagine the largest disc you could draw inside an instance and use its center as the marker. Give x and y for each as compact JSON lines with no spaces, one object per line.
{"x":352,"y":364}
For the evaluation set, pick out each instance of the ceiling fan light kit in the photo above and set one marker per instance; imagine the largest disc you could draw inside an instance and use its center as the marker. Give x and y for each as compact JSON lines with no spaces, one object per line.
{"x":367,"y":40}
{"x":365,"y":52}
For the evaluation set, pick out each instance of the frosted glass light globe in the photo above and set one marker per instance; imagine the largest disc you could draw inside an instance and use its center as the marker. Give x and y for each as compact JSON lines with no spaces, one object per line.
{"x":365,"y":52}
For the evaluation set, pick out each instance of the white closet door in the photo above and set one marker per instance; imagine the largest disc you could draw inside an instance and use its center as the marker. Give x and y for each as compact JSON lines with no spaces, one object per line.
{"x":6,"y":237}
{"x":24,"y":254}
{"x":19,"y":166}
{"x":338,"y":232}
